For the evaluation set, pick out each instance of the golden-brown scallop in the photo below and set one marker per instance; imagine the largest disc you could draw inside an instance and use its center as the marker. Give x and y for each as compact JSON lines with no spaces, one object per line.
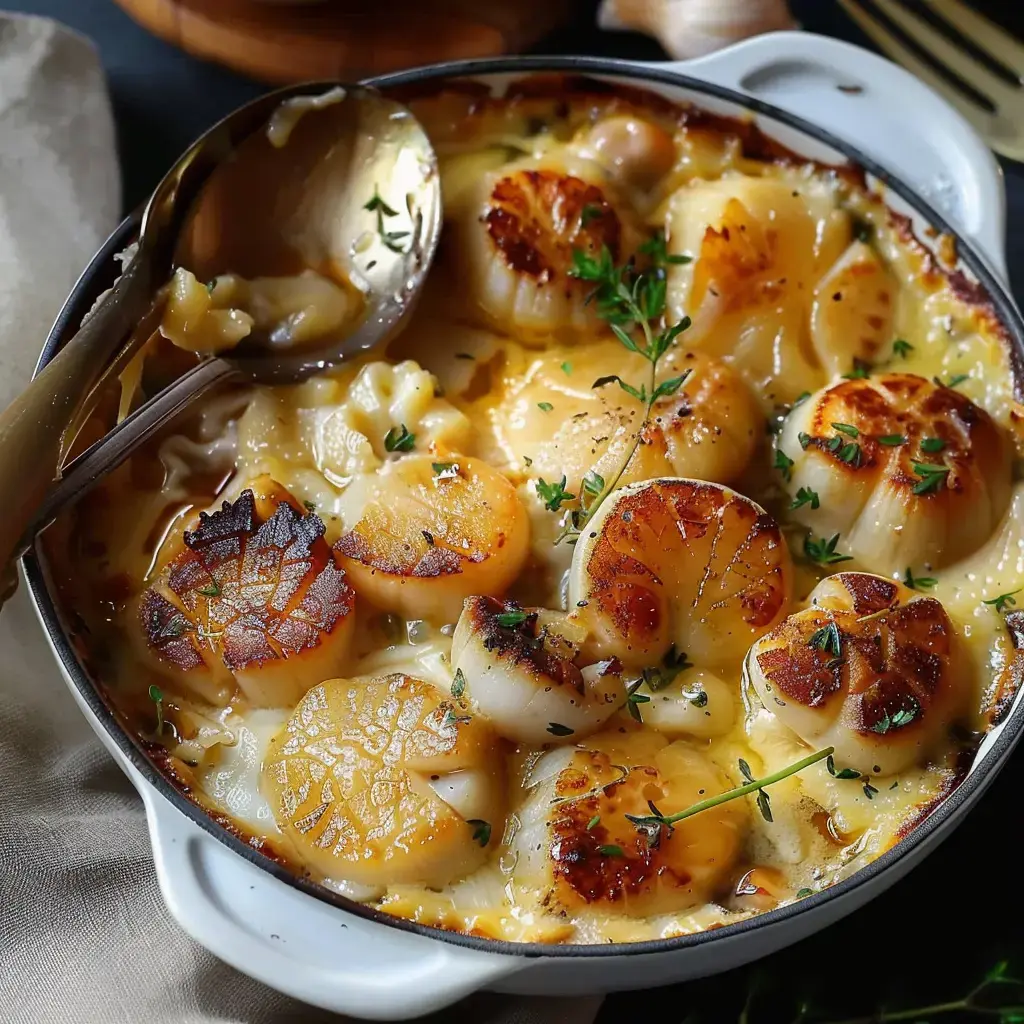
{"x":424,"y":535}
{"x":908,"y":472}
{"x":681,"y":563}
{"x":252,"y":594}
{"x":385,"y":782}
{"x":576,"y":848}
{"x":514,"y":248}
{"x":707,"y":430}
{"x":522,"y":671}
{"x":871,"y":668}
{"x":760,"y":247}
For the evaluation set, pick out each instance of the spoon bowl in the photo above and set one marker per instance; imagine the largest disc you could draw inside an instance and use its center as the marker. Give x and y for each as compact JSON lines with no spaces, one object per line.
{"x":323,"y":177}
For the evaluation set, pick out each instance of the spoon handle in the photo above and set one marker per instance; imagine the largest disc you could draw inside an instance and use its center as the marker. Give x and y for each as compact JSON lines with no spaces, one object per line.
{"x":32,"y":427}
{"x":113,"y":448}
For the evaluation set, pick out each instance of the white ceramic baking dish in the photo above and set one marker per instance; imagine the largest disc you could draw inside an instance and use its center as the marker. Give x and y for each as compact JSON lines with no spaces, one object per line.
{"x":337,"y":955}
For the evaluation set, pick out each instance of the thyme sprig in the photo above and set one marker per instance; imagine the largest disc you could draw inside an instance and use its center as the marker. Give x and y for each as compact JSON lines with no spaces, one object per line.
{"x":157,"y":697}
{"x":632,"y":303}
{"x":648,"y":824}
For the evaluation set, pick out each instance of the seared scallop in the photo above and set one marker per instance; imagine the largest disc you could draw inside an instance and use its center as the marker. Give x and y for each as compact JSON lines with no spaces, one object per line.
{"x":253,"y":595}
{"x":908,"y":472}
{"x":576,"y":847}
{"x":558,"y":420}
{"x":385,"y":782}
{"x":522,"y":671}
{"x":871,"y":668}
{"x":515,"y":247}
{"x":679,"y":563}
{"x":765,"y":249}
{"x":424,"y":535}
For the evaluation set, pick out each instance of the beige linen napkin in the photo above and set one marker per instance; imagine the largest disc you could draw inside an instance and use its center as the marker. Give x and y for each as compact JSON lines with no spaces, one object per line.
{"x":84,"y":934}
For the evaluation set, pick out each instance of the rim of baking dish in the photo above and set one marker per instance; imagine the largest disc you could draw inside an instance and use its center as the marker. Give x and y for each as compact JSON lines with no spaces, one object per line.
{"x":99,"y":273}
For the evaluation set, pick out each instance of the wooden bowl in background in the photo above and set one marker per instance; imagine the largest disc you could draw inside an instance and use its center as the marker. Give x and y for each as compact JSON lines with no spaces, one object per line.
{"x":284,"y":41}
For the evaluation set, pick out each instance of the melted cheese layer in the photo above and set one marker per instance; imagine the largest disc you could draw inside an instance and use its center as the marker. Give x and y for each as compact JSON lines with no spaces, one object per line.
{"x":793,"y":275}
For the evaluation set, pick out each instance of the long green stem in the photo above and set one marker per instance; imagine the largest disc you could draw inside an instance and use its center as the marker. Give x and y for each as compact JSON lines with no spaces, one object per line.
{"x":750,"y":787}
{"x":614,"y":482}
{"x":924,"y":1012}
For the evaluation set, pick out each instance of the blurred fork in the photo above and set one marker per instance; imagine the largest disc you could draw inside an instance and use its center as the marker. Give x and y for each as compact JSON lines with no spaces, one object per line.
{"x":1002,"y":126}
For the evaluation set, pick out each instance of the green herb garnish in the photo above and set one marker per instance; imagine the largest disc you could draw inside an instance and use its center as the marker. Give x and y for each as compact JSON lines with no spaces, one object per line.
{"x":399,"y":439}
{"x":918,"y":582}
{"x":553,"y":495}
{"x":827,"y":639}
{"x":671,"y":665}
{"x":458,"y":684}
{"x":481,"y":830}
{"x":559,"y":730}
{"x":806,"y":496}
{"x":511,"y":619}
{"x":784,"y":464}
{"x":157,"y":697}
{"x":634,"y":700}
{"x":824,"y":551}
{"x":644,"y":823}
{"x":932,"y":477}
{"x":902,"y":717}
{"x":1004,"y":601}
{"x":390,"y":238}
{"x":843,"y":773}
{"x":632,"y":302}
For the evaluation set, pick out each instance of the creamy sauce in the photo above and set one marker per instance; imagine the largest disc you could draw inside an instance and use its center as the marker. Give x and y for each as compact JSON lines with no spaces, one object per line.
{"x":495,"y":374}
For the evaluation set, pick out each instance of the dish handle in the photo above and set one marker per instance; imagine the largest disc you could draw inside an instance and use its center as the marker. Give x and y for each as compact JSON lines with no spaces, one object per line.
{"x":884,"y":111}
{"x":300,"y":945}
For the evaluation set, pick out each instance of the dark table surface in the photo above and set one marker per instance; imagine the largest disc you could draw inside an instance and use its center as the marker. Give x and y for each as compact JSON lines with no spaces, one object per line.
{"x":930,"y":937}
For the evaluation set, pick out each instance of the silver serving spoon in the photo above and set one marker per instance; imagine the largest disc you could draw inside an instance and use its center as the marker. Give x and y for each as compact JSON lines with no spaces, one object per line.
{"x":279,"y":186}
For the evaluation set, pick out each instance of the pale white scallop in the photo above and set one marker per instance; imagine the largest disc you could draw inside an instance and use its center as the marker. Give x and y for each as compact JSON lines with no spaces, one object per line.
{"x":760,"y":247}
{"x":527,"y":679}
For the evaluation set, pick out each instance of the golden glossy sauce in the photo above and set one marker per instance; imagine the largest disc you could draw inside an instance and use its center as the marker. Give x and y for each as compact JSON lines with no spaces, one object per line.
{"x":455,"y":798}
